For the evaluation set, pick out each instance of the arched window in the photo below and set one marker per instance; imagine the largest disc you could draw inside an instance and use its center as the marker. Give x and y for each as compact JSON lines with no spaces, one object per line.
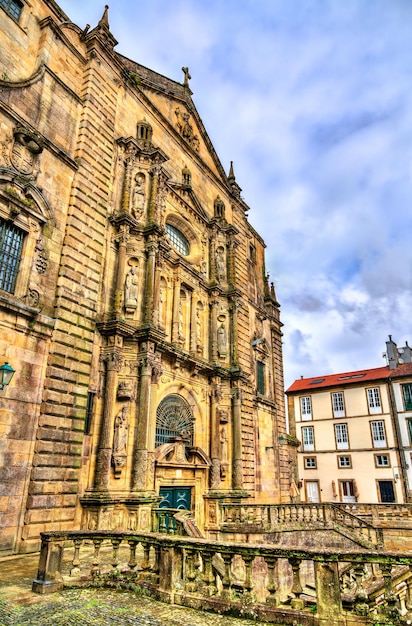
{"x":174,"y":419}
{"x":178,"y":240}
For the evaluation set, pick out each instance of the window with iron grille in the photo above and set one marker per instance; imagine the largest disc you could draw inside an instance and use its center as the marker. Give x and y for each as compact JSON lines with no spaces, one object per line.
{"x":178,"y":240}
{"x":306,"y":408}
{"x":407,"y":396}
{"x":260,"y":377}
{"x":13,"y":7}
{"x":174,"y":420}
{"x":11,"y":246}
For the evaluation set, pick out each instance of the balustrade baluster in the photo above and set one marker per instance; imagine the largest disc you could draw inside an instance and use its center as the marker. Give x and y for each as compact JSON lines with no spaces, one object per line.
{"x":132,"y":555}
{"x":97,"y":542}
{"x":208,"y":577}
{"x":296,"y":602}
{"x":116,"y":541}
{"x":162,"y":522}
{"x":156,"y":564}
{"x":271,"y":599}
{"x":75,"y":569}
{"x":146,"y":558}
{"x":391,"y":610}
{"x":247,"y":585}
{"x":227,"y":578}
{"x":190,"y":571}
{"x":361,"y":597}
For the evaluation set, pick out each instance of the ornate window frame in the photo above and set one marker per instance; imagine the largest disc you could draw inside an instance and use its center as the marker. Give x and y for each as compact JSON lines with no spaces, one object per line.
{"x":23,"y":206}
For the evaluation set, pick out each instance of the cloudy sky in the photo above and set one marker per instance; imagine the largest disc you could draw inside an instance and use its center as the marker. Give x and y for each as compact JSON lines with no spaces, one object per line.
{"x":312,"y":100}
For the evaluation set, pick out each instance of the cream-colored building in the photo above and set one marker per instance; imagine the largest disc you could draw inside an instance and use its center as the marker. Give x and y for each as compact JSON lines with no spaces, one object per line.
{"x":355,"y":433}
{"x":134,"y":308}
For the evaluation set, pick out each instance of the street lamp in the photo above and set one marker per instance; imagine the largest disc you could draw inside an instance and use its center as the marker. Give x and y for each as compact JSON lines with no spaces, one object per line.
{"x":6,"y":374}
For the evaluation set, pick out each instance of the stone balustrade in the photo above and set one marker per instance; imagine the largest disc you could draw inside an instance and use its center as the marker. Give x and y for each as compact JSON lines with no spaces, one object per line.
{"x":275,"y":517}
{"x":305,"y":587}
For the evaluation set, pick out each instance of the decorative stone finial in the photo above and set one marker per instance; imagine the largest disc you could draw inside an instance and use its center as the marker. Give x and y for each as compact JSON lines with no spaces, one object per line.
{"x":231,"y":178}
{"x":105,"y":17}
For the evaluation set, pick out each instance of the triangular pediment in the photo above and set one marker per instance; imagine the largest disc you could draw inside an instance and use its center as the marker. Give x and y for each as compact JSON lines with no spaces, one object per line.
{"x":172,"y":102}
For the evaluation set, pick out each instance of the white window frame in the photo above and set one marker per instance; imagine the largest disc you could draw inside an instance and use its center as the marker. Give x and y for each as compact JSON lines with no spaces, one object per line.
{"x":306,"y":408}
{"x":342,"y":436}
{"x":378,"y":434}
{"x":310,"y":462}
{"x":382,"y":456}
{"x":344,"y":465}
{"x":308,"y":438}
{"x":374,"y":400}
{"x":338,"y":405}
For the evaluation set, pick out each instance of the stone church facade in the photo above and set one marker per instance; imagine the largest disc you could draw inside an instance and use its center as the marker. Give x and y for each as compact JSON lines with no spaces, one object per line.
{"x":134,"y":303}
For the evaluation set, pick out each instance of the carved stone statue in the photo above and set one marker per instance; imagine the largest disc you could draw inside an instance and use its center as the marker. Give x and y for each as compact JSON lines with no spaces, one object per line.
{"x":138,"y":202}
{"x":221,"y":340}
{"x":121,"y":426}
{"x":220,"y":264}
{"x":119,"y":451}
{"x":131,"y":288}
{"x":223,"y":445}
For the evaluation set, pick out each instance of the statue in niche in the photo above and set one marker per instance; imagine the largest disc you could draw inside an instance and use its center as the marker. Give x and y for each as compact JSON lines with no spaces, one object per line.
{"x":121,"y":426}
{"x":221,"y":339}
{"x":138,"y":196}
{"x":223,"y":445}
{"x":119,"y":454}
{"x":220,"y":264}
{"x":131,"y":288}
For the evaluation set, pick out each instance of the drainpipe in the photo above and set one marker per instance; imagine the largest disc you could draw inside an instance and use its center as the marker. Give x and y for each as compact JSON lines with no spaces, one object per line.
{"x":398,"y":441}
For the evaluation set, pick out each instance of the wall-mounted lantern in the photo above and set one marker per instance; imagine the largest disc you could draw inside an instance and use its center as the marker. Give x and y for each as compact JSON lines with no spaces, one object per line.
{"x":6,"y":374}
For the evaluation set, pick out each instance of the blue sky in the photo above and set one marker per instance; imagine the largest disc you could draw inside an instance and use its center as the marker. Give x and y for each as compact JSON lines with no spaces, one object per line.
{"x":312,"y":100}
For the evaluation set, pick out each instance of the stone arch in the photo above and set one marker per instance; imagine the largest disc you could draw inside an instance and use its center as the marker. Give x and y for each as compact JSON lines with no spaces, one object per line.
{"x":174,"y":420}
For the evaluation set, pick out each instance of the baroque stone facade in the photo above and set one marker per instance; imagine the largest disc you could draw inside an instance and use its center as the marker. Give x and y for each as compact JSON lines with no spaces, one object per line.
{"x":134,"y":304}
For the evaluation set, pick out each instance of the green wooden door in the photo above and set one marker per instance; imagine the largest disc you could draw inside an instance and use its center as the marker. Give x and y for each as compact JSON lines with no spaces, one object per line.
{"x":175,"y":498}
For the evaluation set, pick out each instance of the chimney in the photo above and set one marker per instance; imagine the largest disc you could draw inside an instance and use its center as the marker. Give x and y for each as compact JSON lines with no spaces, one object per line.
{"x":392,"y":353}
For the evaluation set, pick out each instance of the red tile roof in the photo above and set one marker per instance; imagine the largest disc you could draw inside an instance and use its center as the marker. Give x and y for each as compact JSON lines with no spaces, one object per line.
{"x":350,"y":378}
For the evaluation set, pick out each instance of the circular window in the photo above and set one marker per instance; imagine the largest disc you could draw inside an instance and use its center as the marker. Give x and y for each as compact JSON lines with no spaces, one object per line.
{"x":178,"y":240}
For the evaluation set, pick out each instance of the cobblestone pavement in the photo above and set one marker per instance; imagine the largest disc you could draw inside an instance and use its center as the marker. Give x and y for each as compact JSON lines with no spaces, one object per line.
{"x":102,"y":607}
{"x":91,"y":607}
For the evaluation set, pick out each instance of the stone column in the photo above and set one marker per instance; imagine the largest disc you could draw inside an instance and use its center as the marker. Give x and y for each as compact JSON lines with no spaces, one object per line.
{"x":237,"y":475}
{"x":123,"y":237}
{"x":234,"y":357}
{"x":175,"y":319}
{"x":127,"y":182}
{"x":141,"y":467}
{"x":231,"y":261}
{"x":212,"y":257}
{"x":213,"y":331}
{"x":215,"y":435}
{"x":156,"y":295}
{"x":150,"y":281}
{"x":113,"y":361}
{"x":151,"y":212}
{"x":193,"y":323}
